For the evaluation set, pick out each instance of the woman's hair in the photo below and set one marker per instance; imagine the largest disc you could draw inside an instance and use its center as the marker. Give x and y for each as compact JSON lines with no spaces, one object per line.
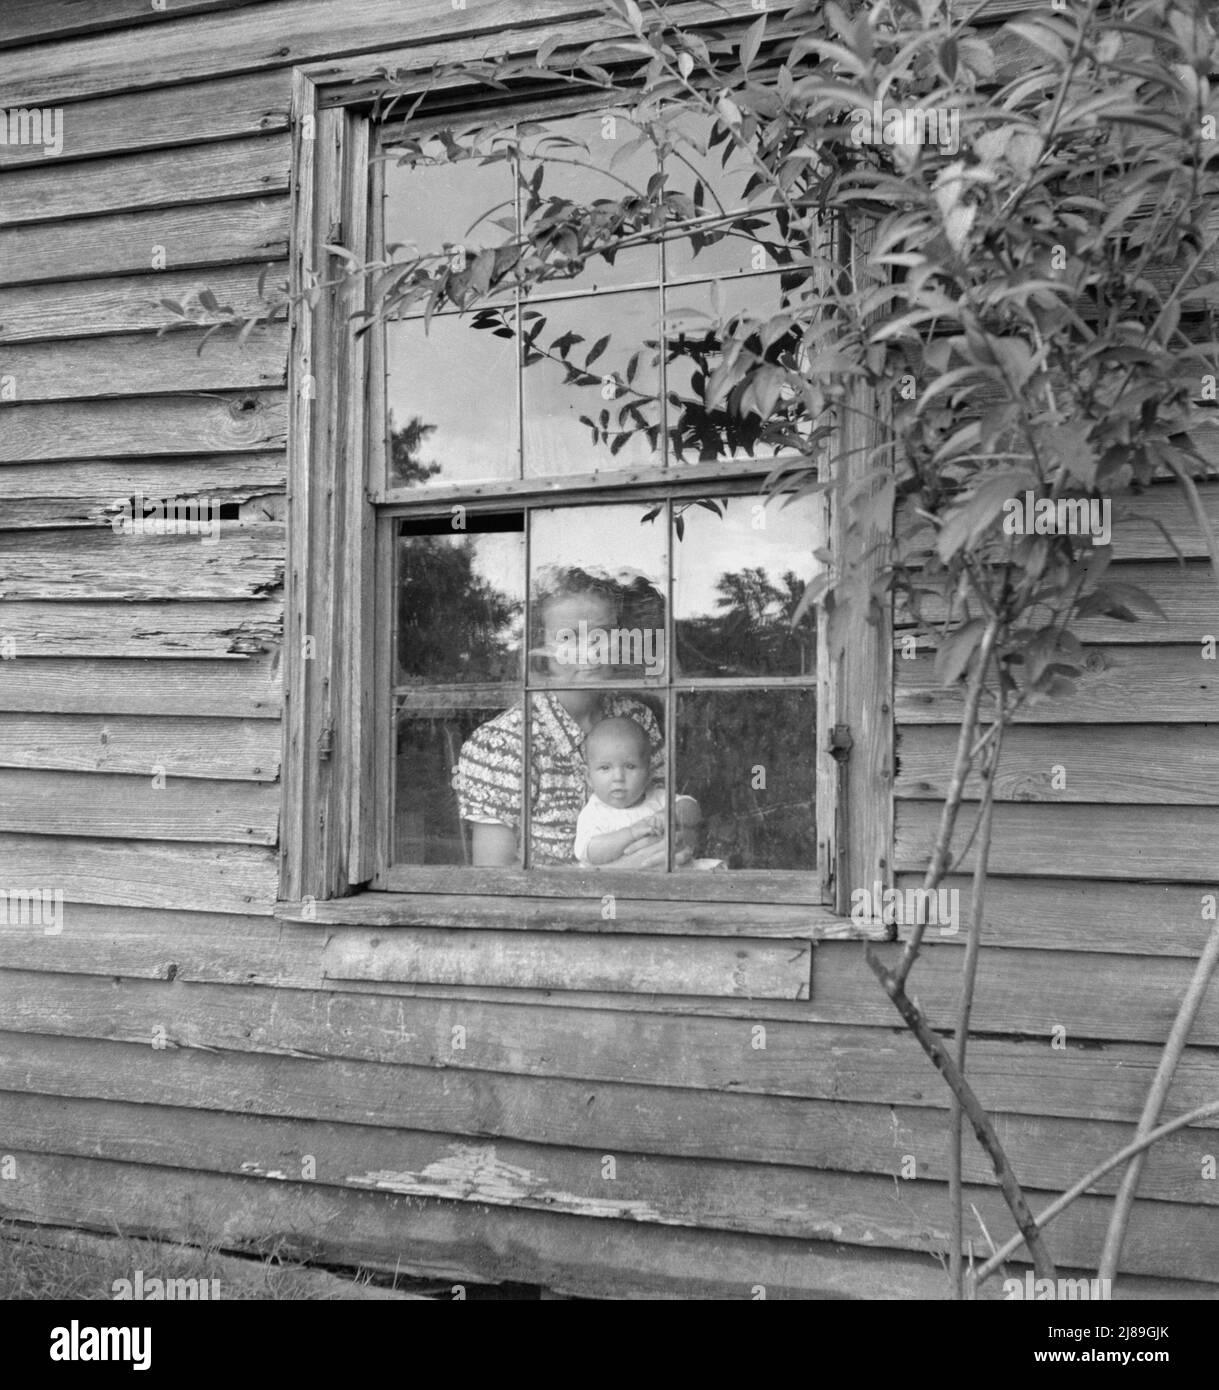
{"x":562,"y":581}
{"x":633,"y":599}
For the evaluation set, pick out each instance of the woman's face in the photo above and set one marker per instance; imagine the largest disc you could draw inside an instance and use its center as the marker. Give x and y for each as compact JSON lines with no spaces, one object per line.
{"x":570,"y":623}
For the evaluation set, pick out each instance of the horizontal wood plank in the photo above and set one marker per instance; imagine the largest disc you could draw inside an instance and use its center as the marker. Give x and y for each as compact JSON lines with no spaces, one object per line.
{"x":153,"y":807}
{"x":200,"y":630}
{"x":122,"y":304}
{"x":1188,"y":596}
{"x":229,"y":562}
{"x":467,"y":1239}
{"x":252,"y":168}
{"x":35,"y":495}
{"x":603,"y":1117}
{"x":1136,"y":522}
{"x":1160,"y":919}
{"x":522,"y":914}
{"x":203,"y":112}
{"x":247,"y":688}
{"x":683,"y":885}
{"x":238,"y":422}
{"x":254,"y":508}
{"x":136,"y":243}
{"x":737,"y":967}
{"x":1119,"y":684}
{"x":193,"y":878}
{"x":1020,"y":992}
{"x":1088,"y":996}
{"x":25,"y":21}
{"x":225,"y":749}
{"x":745,"y":1197}
{"x":458,"y":1242}
{"x":1143,"y":764}
{"x":1154,"y":843}
{"x":142,"y":365}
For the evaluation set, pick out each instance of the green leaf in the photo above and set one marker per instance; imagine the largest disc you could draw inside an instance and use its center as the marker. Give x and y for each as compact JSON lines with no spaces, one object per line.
{"x":752,"y":42}
{"x":955,"y":651}
{"x":969,"y":520}
{"x":596,"y":350}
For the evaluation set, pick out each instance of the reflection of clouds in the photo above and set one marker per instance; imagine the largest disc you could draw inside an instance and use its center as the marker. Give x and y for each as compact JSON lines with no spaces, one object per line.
{"x":715,"y":546}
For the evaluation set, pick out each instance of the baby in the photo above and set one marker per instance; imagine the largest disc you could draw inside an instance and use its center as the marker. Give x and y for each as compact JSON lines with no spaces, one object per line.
{"x":623,"y":809}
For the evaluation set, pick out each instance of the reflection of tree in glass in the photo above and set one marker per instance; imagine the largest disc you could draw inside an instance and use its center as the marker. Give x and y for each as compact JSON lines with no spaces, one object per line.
{"x":753,"y":634}
{"x":730,"y":427}
{"x":452,"y":624}
{"x":405,"y":466}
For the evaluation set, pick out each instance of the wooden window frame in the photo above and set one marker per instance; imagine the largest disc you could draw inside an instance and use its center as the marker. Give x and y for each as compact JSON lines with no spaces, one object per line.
{"x":334,"y":662}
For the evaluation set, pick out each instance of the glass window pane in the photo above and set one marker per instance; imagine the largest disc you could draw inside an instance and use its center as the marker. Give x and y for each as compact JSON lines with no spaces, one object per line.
{"x":449,"y":771}
{"x":748,"y":757}
{"x":723,"y":171}
{"x":741,"y":566}
{"x":452,"y":399}
{"x":598,"y":772}
{"x":693,"y":353}
{"x":597,"y":590}
{"x":565,"y":394}
{"x":461,"y":599}
{"x":457,"y":203}
{"x":592,"y":159}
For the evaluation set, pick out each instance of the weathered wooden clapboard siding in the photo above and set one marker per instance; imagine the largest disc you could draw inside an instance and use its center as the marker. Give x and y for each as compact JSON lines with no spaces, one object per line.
{"x":93,"y":493}
{"x":247,"y":688}
{"x":732,"y":1197}
{"x":233,"y":749}
{"x":209,"y":173}
{"x":142,"y":873}
{"x":1105,"y":837}
{"x":1098,"y":764}
{"x":137,"y":243}
{"x":738,"y":1165}
{"x":231,"y":562}
{"x":121,"y":304}
{"x":1151,"y":684}
{"x":157,"y":629}
{"x":28,"y":20}
{"x":840,"y":1133}
{"x":139,"y":365}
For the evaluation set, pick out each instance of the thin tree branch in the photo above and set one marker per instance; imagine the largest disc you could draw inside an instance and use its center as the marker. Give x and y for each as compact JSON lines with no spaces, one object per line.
{"x":1060,"y":1204}
{"x":942,"y":1060}
{"x":956,"y":789}
{"x":1156,"y":1097}
{"x":969,"y":974}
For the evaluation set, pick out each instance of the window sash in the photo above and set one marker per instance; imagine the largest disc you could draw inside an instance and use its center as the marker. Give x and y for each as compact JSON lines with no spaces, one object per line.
{"x":744,"y":885}
{"x":331,"y":840}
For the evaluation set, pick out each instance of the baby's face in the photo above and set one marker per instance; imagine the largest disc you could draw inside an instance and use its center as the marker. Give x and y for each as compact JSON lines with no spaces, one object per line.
{"x":618,"y":768}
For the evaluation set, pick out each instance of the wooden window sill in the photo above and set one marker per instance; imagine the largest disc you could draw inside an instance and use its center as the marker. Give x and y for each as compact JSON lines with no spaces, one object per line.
{"x":631,"y":916}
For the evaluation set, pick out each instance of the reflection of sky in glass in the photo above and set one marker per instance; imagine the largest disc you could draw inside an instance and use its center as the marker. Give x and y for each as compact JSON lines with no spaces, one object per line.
{"x":713,"y":546}
{"x":466,"y":382}
{"x":602,"y":139}
{"x":555,"y":440}
{"x":609,"y":540}
{"x":463,"y":381}
{"x":686,"y":164}
{"x":428,"y":205}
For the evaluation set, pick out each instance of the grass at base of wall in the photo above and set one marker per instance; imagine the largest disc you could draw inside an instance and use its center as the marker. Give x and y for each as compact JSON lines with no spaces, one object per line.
{"x":43,"y":1264}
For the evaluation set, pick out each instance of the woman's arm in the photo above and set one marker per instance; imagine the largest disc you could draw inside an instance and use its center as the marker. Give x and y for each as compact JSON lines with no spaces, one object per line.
{"x":492,"y":844}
